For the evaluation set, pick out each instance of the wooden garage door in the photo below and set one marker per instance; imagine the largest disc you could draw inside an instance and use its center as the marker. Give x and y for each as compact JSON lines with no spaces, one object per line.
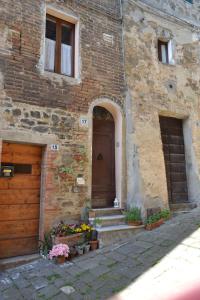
{"x":19,"y":200}
{"x":174,"y":154}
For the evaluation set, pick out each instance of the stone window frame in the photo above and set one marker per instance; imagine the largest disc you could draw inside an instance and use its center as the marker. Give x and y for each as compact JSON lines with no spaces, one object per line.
{"x":170,"y":50}
{"x":59,"y":23}
{"x":70,"y":17}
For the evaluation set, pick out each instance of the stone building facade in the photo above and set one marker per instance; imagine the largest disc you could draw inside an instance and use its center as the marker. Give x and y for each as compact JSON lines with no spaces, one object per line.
{"x":135,"y":64}
{"x":157,"y":89}
{"x":48,"y":109}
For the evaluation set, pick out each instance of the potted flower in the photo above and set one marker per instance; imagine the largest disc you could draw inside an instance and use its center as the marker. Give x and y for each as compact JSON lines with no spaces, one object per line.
{"x":94,"y":243}
{"x":133,"y":216}
{"x":69,"y":234}
{"x":97,"y":223}
{"x":154,"y":221}
{"x":59,"y":252}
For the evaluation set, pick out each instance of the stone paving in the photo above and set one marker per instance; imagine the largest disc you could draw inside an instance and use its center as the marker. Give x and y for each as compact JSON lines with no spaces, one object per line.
{"x":147,"y":266}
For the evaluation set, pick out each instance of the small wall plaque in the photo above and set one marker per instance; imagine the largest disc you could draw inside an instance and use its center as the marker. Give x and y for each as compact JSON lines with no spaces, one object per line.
{"x":108,"y":38}
{"x":84,"y":122}
{"x":80,"y":181}
{"x":54,"y":147}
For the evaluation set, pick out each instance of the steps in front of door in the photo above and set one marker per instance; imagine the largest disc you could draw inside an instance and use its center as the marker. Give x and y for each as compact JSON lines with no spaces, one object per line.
{"x":182,"y":207}
{"x":112,"y":234}
{"x":110,"y":220}
{"x":113,"y":228}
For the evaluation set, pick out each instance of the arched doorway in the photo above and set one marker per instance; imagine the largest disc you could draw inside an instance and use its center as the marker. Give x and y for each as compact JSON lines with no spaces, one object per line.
{"x":103,"y":158}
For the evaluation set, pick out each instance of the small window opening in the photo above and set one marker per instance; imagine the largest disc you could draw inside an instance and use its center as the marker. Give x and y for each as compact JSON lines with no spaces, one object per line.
{"x":163,"y":53}
{"x":59,"y":46}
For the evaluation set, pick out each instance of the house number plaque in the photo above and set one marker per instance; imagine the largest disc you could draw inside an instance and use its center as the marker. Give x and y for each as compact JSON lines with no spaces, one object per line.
{"x":84,"y":122}
{"x":54,"y":147}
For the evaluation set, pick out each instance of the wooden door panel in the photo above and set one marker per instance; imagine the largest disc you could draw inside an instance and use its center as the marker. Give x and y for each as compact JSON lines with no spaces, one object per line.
{"x":174,"y":155}
{"x":22,"y":149}
{"x":20,"y":246}
{"x":18,"y":228}
{"x":20,"y":201}
{"x":3,"y":184}
{"x":103,"y":164}
{"x":24,"y":182}
{"x":20,"y":158}
{"x":16,"y":196}
{"x":19,"y":212}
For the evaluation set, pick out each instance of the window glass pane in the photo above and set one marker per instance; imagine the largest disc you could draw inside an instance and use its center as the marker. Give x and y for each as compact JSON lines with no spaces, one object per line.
{"x":164,"y":53}
{"x":66,"y":50}
{"x":50,"y":45}
{"x":66,"y":34}
{"x":51,"y":29}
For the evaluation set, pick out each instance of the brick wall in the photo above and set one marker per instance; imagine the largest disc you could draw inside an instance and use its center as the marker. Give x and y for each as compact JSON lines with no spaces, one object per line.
{"x":37,"y":103}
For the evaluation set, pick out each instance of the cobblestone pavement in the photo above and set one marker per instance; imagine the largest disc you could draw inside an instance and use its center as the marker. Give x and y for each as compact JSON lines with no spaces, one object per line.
{"x":145,"y":267}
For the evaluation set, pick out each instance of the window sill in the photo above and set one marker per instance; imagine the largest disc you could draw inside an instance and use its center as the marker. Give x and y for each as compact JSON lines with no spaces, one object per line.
{"x":60,"y":77}
{"x":165,"y":64}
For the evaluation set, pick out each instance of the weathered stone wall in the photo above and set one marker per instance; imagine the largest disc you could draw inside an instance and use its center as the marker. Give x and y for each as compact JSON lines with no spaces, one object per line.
{"x":44,"y":106}
{"x":155,"y":89}
{"x":181,"y":9}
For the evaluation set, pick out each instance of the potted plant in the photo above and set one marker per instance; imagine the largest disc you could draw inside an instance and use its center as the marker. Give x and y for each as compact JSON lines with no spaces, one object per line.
{"x":87,"y":248}
{"x":80,"y":249}
{"x":46,"y":244}
{"x":94,"y":243}
{"x":69,"y":234}
{"x":133,"y":216}
{"x":97,"y":223}
{"x":165,"y":214}
{"x":59,"y":252}
{"x":154,"y":221}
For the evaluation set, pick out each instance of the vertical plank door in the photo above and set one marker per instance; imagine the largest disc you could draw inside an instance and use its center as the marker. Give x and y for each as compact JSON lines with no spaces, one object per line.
{"x":103,"y":164}
{"x":174,"y":155}
{"x":20,"y":200}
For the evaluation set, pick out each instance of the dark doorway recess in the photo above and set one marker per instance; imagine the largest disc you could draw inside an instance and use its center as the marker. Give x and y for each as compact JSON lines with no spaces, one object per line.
{"x":103,"y":159}
{"x":174,"y":154}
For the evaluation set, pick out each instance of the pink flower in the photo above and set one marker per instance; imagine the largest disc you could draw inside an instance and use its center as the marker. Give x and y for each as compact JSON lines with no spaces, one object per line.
{"x":59,"y":250}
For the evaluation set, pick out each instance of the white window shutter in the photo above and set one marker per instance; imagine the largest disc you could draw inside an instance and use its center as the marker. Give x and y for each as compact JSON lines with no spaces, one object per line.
{"x":171,"y":52}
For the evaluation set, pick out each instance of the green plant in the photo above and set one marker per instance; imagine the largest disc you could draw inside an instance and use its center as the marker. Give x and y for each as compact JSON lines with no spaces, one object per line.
{"x":153,"y":218}
{"x":165,"y":214}
{"x":97,"y":222}
{"x":65,"y":170}
{"x":46,"y":244}
{"x":134,"y":214}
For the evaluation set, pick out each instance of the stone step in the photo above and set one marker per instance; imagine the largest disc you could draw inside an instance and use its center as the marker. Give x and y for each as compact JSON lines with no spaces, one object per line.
{"x":113,"y":234}
{"x":186,"y":206}
{"x":110,"y":220}
{"x":99,"y":212}
{"x":12,"y":262}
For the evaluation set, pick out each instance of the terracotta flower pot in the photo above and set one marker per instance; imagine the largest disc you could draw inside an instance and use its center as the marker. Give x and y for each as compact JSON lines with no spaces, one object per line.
{"x":94,"y":245}
{"x":70,"y":240}
{"x":60,"y":259}
{"x":134,"y":223}
{"x":154,"y":225}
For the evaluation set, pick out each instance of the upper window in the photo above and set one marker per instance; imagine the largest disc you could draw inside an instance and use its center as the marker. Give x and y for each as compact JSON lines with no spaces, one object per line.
{"x":166,"y":52}
{"x":59,"y":46}
{"x":163,"y":54}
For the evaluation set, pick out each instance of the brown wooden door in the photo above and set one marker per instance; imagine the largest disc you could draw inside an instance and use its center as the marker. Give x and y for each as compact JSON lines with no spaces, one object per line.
{"x":20,"y":200}
{"x":103,"y":164}
{"x":174,"y":154}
